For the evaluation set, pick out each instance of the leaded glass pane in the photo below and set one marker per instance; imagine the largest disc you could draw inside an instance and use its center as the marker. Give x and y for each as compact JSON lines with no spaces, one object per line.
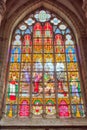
{"x":43,"y":79}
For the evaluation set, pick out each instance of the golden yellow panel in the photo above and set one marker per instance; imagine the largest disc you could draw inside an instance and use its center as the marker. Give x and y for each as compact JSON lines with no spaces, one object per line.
{"x":12,"y":74}
{"x":37,"y":58}
{"x":48,"y":49}
{"x":72,"y":66}
{"x":73,"y":76}
{"x":59,"y":49}
{"x":21,"y":99}
{"x":9,"y":101}
{"x":26,"y":58}
{"x":67,"y":100}
{"x":48,"y":58}
{"x":37,"y":49}
{"x":60,"y":57}
{"x":14,"y":67}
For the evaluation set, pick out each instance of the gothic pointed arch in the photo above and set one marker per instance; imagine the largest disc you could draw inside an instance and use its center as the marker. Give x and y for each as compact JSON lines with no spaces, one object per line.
{"x":43,"y":73}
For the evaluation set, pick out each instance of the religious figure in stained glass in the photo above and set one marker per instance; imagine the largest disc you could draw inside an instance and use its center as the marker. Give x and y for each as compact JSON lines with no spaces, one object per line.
{"x":13,"y":89}
{"x":17,"y":40}
{"x":12,"y":96}
{"x":37,"y":78}
{"x":75,"y":89}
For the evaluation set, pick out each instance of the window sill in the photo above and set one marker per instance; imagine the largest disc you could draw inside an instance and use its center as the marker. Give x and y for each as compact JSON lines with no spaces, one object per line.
{"x":44,"y":122}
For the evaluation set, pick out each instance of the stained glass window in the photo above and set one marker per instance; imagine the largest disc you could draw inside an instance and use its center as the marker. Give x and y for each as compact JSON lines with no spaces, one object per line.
{"x":43,"y":79}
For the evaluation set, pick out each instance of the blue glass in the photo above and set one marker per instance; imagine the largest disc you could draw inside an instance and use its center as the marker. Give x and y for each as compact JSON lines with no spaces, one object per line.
{"x":17,"y":31}
{"x":81,"y":109}
{"x":70,"y":49}
{"x":57,"y":31}
{"x":16,"y":49}
{"x":54,"y":28}
{"x":15,"y":58}
{"x":30,"y":28}
{"x":78,"y":110}
{"x":22,"y":32}
{"x":71,"y":58}
{"x":63,"y":32}
{"x":67,"y":31}
{"x":27,"y":31}
{"x":11,"y":110}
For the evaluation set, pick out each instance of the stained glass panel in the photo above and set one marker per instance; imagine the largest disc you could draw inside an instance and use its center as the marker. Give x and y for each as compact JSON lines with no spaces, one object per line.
{"x":26,"y":58}
{"x":16,"y":49}
{"x":50,"y":107}
{"x":37,"y":107}
{"x":37,"y":49}
{"x":78,"y":110}
{"x":24,"y":108}
{"x":24,"y":87}
{"x":72,"y":66}
{"x":11,"y":110}
{"x":25,"y":66}
{"x":44,"y":78}
{"x":15,"y":58}
{"x":64,"y":110}
{"x":17,"y":40}
{"x":25,"y":76}
{"x":14,"y":67}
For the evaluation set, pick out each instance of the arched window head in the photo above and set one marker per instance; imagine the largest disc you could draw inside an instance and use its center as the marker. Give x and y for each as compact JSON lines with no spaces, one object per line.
{"x":43,"y":77}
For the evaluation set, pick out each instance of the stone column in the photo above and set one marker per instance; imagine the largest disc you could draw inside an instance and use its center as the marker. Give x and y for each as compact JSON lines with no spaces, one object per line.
{"x":83,"y":46}
{"x":2,"y":12}
{"x":84,"y":7}
{"x":2,"y":73}
{"x":2,"y":9}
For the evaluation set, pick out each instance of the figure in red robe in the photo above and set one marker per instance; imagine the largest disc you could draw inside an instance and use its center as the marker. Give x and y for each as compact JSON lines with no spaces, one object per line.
{"x":36,"y":82}
{"x":61,"y":89}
